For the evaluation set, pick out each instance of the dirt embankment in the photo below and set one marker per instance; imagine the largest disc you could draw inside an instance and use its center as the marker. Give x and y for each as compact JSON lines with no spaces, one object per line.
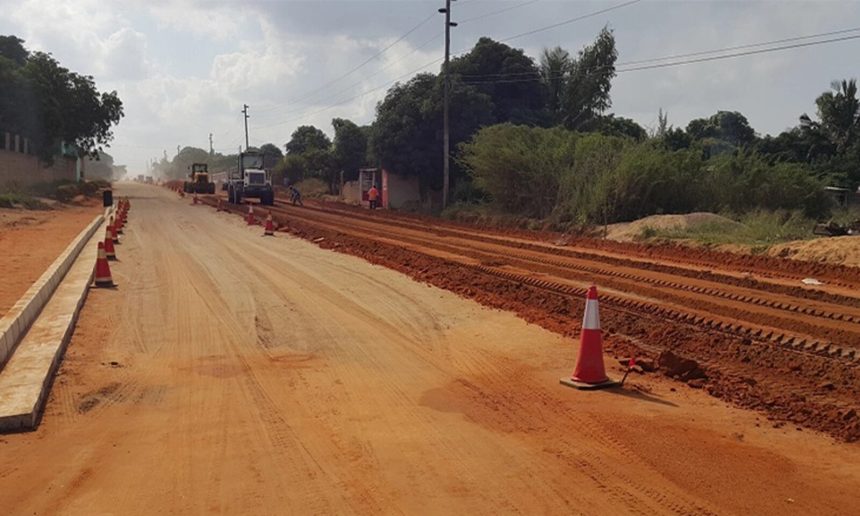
{"x":32,"y":240}
{"x":843,"y":250}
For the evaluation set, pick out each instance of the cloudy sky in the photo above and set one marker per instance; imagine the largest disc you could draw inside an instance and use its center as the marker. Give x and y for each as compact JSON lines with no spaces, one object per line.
{"x":185,"y":68}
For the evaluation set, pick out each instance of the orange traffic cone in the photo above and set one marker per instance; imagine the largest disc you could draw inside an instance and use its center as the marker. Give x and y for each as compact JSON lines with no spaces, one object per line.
{"x":110,"y":252}
{"x":118,"y":224}
{"x":194,"y":201}
{"x":589,"y":372}
{"x":102,"y":275}
{"x":269,"y":230}
{"x":113,"y":232}
{"x":218,"y":206}
{"x":250,"y":215}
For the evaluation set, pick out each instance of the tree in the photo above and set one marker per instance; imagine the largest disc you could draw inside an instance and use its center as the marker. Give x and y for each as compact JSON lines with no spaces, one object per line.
{"x":70,"y":108}
{"x":663,"y":126}
{"x":406,"y":137}
{"x":270,"y":149}
{"x":321,"y":163}
{"x":402,"y":140}
{"x":728,"y":126}
{"x":50,"y":105}
{"x":618,"y":126}
{"x":586,"y":94}
{"x":305,"y":138}
{"x":676,"y":139}
{"x":555,"y":67}
{"x":12,"y":48}
{"x":180,"y":167}
{"x":839,"y":111}
{"x":350,"y":147}
{"x":507,"y":75}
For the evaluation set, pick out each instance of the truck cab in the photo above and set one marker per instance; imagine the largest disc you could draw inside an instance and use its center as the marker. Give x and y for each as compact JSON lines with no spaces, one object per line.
{"x":250,"y":179}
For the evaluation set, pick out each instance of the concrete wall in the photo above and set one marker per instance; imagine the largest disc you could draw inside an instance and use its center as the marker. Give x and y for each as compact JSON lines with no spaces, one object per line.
{"x":351,"y":193}
{"x":23,"y":169}
{"x":402,"y":190}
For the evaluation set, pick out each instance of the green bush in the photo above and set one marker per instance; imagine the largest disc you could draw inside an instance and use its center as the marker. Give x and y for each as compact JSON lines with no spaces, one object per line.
{"x":520,"y":167}
{"x":585,"y":188}
{"x":746,"y":181}
{"x":574,"y":178}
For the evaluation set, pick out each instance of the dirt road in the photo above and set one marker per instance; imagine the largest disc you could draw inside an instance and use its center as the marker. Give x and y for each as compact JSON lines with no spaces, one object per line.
{"x":232,"y":373}
{"x":766,"y":341}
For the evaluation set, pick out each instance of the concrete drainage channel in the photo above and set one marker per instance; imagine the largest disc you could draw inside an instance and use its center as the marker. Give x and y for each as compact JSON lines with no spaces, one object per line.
{"x":34,"y":334}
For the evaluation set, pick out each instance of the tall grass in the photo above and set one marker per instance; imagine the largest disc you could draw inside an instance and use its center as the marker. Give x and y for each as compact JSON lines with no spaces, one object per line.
{"x":758,"y":229}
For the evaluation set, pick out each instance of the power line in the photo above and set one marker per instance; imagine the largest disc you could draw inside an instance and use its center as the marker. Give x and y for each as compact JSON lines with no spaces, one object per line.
{"x":529,"y":76}
{"x":739,"y":54}
{"x":500,"y":11}
{"x":572,"y":20}
{"x":740,"y":47}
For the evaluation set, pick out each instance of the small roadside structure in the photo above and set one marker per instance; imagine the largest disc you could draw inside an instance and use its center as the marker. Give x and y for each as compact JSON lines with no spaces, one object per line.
{"x":842,"y":197}
{"x":395,"y":190}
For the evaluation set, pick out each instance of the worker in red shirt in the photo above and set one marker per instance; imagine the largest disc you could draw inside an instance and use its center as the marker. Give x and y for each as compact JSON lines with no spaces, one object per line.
{"x":373,"y":197}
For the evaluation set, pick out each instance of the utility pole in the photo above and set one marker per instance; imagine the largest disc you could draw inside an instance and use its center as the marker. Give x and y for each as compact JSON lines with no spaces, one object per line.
{"x":446,"y":136}
{"x":245,"y":112}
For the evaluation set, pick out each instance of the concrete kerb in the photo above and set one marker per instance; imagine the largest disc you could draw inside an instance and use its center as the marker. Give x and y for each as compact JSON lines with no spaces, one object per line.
{"x":26,"y":381}
{"x":19,"y":318}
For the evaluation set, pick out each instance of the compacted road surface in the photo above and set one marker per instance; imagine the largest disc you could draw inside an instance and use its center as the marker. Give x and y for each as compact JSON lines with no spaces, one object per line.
{"x":239,"y":374}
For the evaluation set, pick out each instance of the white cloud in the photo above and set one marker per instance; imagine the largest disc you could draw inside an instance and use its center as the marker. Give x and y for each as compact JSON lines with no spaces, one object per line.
{"x":221,"y":22}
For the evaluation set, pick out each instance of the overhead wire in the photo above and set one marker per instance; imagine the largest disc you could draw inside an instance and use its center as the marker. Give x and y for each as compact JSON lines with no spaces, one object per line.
{"x":534,"y":76}
{"x":571,"y":20}
{"x":500,"y":11}
{"x":741,"y":47}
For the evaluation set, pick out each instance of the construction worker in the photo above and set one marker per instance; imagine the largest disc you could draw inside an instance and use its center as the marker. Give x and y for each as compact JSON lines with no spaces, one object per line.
{"x":373,"y":197}
{"x":295,"y":196}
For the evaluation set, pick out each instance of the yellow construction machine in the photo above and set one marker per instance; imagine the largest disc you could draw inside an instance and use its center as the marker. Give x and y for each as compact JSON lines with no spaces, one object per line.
{"x":200,"y":182}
